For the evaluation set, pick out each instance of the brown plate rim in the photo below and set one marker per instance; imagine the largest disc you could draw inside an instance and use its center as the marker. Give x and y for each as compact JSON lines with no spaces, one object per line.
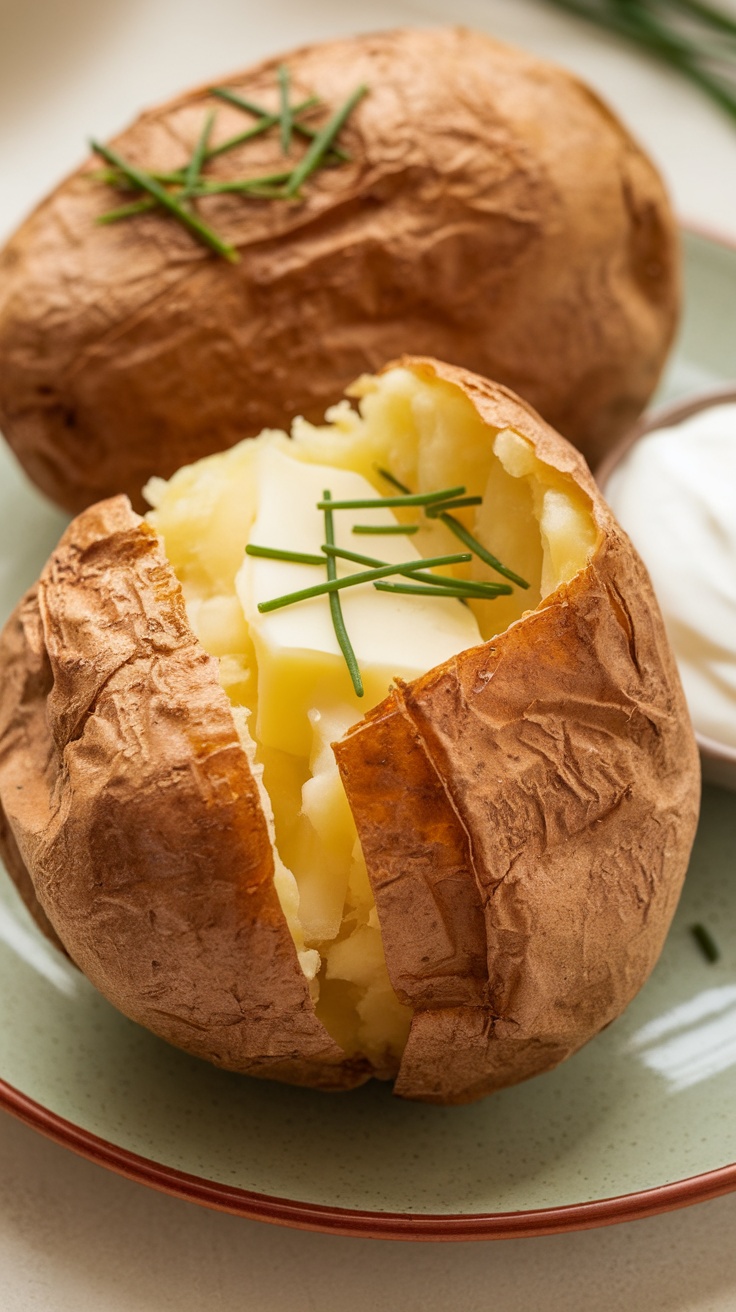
{"x":358,"y":1223}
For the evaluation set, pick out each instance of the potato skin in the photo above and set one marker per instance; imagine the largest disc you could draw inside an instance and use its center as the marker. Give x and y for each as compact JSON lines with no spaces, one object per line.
{"x":526,"y":812}
{"x":495,"y":214}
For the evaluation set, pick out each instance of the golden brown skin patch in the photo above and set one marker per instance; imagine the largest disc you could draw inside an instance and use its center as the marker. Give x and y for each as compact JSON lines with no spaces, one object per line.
{"x":494,"y":214}
{"x":526,"y":811}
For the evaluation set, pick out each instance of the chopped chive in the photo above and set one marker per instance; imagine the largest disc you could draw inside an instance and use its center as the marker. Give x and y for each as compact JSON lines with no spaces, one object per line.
{"x":478,"y":549}
{"x":213,"y":187}
{"x":436,"y":580}
{"x":269,"y":120}
{"x":323,"y":141}
{"x":265,"y":121}
{"x":145,"y":182}
{"x":385,"y":528}
{"x":401,"y":487}
{"x":128,"y":211}
{"x":406,"y":499}
{"x":445,"y":589}
{"x":706,"y":943}
{"x":434,"y":511}
{"x":194,"y":167}
{"x":286,"y":115}
{"x":338,"y":619}
{"x":275,"y":553}
{"x":353,"y":580}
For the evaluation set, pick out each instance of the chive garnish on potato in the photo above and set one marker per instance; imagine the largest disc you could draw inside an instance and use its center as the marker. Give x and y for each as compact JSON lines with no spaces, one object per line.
{"x":406,"y":499}
{"x":454,"y":525}
{"x":285,"y":111}
{"x":353,"y":580}
{"x":323,"y":141}
{"x":338,"y":619}
{"x":177,"y":190}
{"x":460,"y":586}
{"x":386,"y":528}
{"x":145,"y":182}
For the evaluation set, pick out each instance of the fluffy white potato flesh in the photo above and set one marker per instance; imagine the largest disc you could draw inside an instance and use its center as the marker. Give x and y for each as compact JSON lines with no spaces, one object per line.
{"x":284,"y":672}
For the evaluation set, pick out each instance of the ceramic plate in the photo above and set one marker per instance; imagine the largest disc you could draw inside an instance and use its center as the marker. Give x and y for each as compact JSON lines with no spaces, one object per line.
{"x":639,"y":1121}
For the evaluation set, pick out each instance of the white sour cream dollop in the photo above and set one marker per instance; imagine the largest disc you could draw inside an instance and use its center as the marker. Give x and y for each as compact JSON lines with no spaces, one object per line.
{"x":675,"y":495}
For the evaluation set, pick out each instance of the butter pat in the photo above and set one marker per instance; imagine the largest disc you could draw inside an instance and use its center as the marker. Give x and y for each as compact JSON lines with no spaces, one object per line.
{"x":300,"y":664}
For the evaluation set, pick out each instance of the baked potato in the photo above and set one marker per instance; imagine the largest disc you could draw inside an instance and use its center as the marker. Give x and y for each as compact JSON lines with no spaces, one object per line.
{"x":454,"y":881}
{"x":492,"y":213}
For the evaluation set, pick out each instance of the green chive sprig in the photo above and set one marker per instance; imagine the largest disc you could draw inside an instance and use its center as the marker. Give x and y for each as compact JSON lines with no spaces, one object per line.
{"x":323,"y":141}
{"x":338,"y":619}
{"x":285,"y":111}
{"x":144,"y":182}
{"x":439,"y":511}
{"x":692,"y":36}
{"x":467,"y":538}
{"x":194,"y":167}
{"x":406,"y":499}
{"x":353,"y":580}
{"x":177,"y":191}
{"x":276,"y":553}
{"x":385,"y":529}
{"x":464,"y":586}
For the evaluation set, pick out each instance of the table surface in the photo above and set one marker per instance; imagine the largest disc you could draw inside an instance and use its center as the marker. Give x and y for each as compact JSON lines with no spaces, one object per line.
{"x":73,"y":1236}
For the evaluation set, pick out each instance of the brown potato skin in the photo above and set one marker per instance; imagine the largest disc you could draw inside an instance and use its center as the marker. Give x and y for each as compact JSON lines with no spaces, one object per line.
{"x":495,"y":214}
{"x":526,"y":811}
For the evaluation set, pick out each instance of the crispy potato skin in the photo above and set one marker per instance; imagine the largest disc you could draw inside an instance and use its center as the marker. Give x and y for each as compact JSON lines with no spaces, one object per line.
{"x":495,"y":214}
{"x":526,"y":812}
{"x":135,"y":811}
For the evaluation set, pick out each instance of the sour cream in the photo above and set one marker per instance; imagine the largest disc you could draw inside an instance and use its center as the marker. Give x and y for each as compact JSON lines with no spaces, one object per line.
{"x":675,"y":495}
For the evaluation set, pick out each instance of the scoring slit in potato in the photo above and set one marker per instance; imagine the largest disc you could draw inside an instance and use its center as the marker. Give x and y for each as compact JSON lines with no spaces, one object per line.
{"x":454,"y":880}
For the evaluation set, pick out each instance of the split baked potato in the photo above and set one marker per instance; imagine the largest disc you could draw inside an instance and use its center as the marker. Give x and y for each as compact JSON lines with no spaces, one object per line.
{"x":454,"y":881}
{"x":492,"y":213}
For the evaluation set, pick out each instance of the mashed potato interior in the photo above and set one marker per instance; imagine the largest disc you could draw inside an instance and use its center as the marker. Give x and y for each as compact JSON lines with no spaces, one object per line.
{"x":286,"y":678}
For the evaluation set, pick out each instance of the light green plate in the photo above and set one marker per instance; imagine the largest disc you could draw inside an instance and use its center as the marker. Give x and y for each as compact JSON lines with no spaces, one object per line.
{"x":640,"y":1120}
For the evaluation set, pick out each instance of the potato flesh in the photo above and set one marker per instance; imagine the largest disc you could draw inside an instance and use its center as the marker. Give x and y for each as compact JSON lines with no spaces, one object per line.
{"x":427,"y":433}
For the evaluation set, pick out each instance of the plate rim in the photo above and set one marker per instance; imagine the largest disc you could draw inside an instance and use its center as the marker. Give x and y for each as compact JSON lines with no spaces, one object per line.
{"x":359,"y":1223}
{"x":356,"y":1222}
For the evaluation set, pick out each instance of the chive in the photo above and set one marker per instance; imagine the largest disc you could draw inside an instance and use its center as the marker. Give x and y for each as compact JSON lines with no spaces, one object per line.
{"x":407,"y":499}
{"x":127,"y":211}
{"x":145,"y":182}
{"x":286,"y":116}
{"x":479,"y":550}
{"x":445,"y":589}
{"x":434,"y":511}
{"x":365,"y":576}
{"x":266,"y":120}
{"x":438,"y":580}
{"x":194,"y":167}
{"x":275,"y":553}
{"x":323,"y":141}
{"x":243,"y":184}
{"x":706,"y":943}
{"x":269,"y":120}
{"x":633,"y":19}
{"x":401,"y":487}
{"x":338,"y":619}
{"x":385,"y":528}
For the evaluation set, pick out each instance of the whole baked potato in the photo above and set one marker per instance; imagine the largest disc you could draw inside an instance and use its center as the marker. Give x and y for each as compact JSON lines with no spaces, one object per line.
{"x":492,"y":213}
{"x":455,"y":889}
